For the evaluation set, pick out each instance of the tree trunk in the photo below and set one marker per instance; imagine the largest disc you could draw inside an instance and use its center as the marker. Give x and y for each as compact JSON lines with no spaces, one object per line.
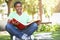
{"x":9,"y":5}
{"x":40,"y":9}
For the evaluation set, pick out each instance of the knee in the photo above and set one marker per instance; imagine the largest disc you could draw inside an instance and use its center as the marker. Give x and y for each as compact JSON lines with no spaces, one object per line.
{"x":7,"y":26}
{"x":35,"y":25}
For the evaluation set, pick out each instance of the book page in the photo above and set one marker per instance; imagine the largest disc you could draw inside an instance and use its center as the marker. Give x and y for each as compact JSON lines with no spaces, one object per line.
{"x":32,"y":22}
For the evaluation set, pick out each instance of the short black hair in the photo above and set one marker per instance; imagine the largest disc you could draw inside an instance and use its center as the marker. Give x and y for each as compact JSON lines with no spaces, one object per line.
{"x":18,"y":2}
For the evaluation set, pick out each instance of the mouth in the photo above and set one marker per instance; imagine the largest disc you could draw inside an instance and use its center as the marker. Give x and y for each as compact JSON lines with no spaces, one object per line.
{"x":19,"y":9}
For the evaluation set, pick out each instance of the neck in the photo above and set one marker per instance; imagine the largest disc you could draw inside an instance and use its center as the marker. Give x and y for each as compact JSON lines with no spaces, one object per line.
{"x":19,"y":13}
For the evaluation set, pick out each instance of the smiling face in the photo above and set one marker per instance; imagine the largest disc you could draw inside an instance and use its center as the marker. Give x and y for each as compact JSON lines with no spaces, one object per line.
{"x":18,"y":8}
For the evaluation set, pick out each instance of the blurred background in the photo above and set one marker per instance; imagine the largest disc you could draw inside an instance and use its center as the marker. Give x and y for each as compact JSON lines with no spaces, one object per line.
{"x":48,"y":11}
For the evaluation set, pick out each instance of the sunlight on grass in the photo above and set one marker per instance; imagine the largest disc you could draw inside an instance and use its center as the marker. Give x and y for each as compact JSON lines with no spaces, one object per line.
{"x":4,"y":37}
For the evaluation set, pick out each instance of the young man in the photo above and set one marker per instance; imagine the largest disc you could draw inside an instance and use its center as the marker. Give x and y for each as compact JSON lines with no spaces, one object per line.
{"x":23,"y":18}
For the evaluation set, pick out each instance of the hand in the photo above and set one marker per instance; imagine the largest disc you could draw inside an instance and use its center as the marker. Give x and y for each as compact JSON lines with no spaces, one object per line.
{"x":38,"y":22}
{"x":9,"y":20}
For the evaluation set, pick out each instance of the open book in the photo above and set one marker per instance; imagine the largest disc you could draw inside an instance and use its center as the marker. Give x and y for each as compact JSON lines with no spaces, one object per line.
{"x":20,"y":25}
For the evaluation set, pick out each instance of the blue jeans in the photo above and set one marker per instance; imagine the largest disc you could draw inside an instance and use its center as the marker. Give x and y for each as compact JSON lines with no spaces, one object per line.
{"x":18,"y":33}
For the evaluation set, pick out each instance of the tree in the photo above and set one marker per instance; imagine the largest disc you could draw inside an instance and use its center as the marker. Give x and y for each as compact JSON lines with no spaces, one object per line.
{"x":40,"y":9}
{"x":57,"y":7}
{"x":1,"y":1}
{"x":9,"y":5}
{"x":49,"y":6}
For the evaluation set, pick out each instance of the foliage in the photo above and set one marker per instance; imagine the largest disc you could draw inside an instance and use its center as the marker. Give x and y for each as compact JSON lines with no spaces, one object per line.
{"x":45,"y":28}
{"x":57,"y":27}
{"x":48,"y":28}
{"x":1,"y":1}
{"x":1,"y":11}
{"x":48,"y":6}
{"x":56,"y":33}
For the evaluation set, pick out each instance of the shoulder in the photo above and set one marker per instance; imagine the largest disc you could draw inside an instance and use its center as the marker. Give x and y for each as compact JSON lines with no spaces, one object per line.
{"x":25,"y":14}
{"x":12,"y":13}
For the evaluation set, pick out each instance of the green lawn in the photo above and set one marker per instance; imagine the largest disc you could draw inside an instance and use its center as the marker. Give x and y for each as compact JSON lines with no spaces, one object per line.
{"x":56,"y":36}
{"x":4,"y":37}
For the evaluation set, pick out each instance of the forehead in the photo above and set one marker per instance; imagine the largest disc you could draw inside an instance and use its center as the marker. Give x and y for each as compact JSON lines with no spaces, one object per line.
{"x":18,"y":4}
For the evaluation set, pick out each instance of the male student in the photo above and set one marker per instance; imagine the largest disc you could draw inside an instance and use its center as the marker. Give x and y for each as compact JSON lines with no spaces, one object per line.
{"x":23,"y":18}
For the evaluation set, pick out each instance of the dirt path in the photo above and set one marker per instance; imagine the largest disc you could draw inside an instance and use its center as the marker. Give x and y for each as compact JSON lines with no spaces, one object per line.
{"x":4,"y":33}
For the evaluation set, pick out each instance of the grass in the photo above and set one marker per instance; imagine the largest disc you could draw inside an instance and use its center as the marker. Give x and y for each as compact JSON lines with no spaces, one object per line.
{"x":56,"y":35}
{"x":4,"y":37}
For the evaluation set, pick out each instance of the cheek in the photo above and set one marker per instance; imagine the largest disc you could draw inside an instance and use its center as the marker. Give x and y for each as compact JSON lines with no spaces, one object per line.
{"x":16,"y":8}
